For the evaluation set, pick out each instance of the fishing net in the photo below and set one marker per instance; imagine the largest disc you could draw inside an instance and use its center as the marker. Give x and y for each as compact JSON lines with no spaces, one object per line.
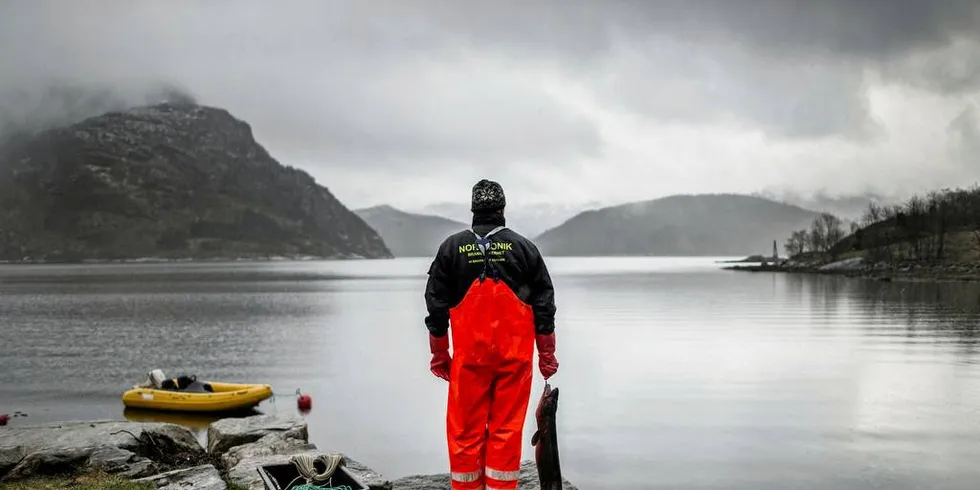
{"x":311,"y":486}
{"x":316,"y":479}
{"x":316,"y":486}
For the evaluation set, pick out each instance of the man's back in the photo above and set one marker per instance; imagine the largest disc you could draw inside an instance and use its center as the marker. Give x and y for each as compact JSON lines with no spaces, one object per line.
{"x":517,"y":261}
{"x":515,"y":258}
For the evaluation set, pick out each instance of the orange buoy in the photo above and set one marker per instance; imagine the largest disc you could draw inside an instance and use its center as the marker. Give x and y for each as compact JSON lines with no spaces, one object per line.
{"x":304,"y":403}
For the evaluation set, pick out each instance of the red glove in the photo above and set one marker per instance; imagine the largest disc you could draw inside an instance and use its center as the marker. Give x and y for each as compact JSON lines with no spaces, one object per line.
{"x":439,"y":346}
{"x":547,"y":363}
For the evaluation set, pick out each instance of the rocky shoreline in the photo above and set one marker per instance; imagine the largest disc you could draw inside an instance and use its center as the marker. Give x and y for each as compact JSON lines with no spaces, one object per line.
{"x":171,"y":457}
{"x":857,"y":267}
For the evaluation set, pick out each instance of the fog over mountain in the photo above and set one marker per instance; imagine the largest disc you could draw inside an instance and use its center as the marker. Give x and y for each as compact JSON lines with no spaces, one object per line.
{"x":850,"y":207}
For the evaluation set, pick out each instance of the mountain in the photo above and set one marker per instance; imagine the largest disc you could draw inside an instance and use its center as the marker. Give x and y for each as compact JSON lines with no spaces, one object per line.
{"x":680,"y":225}
{"x":526,"y":219}
{"x":167,"y":180}
{"x":410,"y":234}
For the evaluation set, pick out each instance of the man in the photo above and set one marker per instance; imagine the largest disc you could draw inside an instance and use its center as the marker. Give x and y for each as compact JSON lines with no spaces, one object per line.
{"x":492,"y":286}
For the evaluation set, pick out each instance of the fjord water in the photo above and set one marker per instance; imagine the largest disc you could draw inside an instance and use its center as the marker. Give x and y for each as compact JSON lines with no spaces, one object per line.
{"x":674,"y":373}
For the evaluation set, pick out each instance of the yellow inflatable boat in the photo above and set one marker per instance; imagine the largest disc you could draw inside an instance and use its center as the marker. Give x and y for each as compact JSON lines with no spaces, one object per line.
{"x":188,"y":394}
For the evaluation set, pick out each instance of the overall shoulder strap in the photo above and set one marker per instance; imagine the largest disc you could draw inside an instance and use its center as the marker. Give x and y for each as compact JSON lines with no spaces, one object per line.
{"x":491,"y":232}
{"x":484,"y":241}
{"x":484,"y":244}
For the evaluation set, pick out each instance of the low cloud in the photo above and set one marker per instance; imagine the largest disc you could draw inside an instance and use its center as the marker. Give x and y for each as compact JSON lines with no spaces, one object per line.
{"x":571,"y":100}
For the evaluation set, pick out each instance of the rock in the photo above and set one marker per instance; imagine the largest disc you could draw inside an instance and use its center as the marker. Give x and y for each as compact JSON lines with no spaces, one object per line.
{"x":62,"y":460}
{"x":120,"y":461}
{"x":852,"y":264}
{"x":228,"y":433}
{"x":528,"y":481}
{"x":47,"y":461}
{"x":245,"y":473}
{"x":244,"y":444}
{"x":128,"y":448}
{"x":203,"y":477}
{"x":423,"y":482}
{"x":529,"y":478}
{"x":10,"y":456}
{"x":268,"y":445}
{"x":370,"y":477}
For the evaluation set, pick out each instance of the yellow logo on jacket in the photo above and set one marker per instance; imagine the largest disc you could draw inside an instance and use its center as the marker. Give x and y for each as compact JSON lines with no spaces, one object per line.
{"x":497,"y":251}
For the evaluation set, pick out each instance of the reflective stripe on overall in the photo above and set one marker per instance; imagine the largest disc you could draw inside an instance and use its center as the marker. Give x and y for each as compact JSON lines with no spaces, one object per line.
{"x":489,"y":382}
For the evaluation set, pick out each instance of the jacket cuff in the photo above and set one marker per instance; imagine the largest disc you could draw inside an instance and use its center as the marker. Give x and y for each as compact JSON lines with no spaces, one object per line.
{"x":544,"y":327}
{"x":545,"y":342}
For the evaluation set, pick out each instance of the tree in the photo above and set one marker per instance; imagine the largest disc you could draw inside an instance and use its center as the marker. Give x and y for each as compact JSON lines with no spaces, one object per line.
{"x":939,"y":204}
{"x":796,"y":244}
{"x":833,"y":229}
{"x":833,"y":232}
{"x":918,"y":229}
{"x":825,"y":232}
{"x":914,"y":224}
{"x":817,"y":232}
{"x":872,"y":215}
{"x":859,"y":239}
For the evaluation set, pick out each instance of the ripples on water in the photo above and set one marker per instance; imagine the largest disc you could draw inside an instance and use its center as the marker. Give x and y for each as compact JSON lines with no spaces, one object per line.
{"x":674,"y":374}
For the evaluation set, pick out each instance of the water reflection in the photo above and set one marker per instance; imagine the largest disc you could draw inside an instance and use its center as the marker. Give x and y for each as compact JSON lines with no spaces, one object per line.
{"x":932,"y":313}
{"x":190,"y":420}
{"x":197,"y":423}
{"x":946,"y":297}
{"x":924,"y":309}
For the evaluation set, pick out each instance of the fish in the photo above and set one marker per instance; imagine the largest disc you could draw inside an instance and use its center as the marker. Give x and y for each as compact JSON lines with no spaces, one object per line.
{"x":545,"y":440}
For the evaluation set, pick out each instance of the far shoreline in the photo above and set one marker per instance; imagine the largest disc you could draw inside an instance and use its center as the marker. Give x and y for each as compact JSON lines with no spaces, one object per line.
{"x":856,"y":269}
{"x":191,"y":260}
{"x":718,"y":259}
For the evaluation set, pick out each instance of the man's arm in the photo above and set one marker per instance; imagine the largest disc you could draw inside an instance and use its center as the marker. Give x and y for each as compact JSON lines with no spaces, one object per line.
{"x":543,"y":306}
{"x":542,"y":294}
{"x":437,"y":292}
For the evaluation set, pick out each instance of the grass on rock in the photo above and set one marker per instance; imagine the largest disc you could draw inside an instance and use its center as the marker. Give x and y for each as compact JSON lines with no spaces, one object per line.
{"x":86,"y":481}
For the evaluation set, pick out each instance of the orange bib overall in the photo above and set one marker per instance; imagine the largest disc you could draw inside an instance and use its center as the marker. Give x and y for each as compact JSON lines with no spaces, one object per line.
{"x":489,"y":382}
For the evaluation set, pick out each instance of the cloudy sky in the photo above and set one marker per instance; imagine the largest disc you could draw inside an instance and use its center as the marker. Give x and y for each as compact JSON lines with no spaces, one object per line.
{"x":572,"y":101}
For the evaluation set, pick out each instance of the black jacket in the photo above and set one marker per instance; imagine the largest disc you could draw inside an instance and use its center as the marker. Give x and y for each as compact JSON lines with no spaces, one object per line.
{"x":519,"y":265}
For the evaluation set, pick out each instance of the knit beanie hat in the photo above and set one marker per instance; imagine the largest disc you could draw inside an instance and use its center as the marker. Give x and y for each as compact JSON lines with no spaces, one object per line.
{"x":487,"y":196}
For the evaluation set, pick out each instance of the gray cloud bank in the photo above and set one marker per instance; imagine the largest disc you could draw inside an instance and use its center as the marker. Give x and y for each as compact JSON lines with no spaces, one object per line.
{"x":419,"y":85}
